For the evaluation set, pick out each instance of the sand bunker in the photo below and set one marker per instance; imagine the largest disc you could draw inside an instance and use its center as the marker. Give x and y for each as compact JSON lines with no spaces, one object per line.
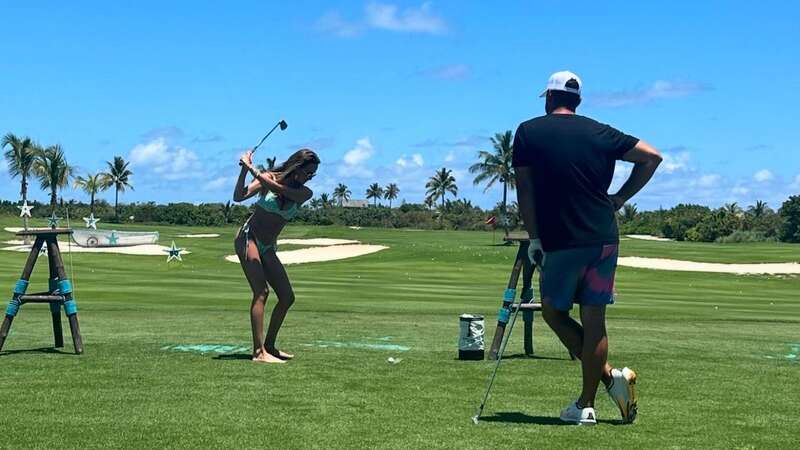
{"x":206,"y":235}
{"x":647,"y":237}
{"x":316,"y":242}
{"x":320,"y":254}
{"x":691,"y":266}
{"x":13,"y":229}
{"x":148,"y":249}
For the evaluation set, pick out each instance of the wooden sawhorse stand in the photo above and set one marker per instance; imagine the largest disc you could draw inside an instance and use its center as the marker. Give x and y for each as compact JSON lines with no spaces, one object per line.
{"x":527,"y":305}
{"x":60,"y":292}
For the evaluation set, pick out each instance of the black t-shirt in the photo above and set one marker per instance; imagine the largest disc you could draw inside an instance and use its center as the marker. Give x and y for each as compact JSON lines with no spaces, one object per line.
{"x":572,"y":160}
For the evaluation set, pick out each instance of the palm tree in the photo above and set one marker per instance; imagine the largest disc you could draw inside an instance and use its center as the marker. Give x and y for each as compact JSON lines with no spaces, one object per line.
{"x":374,"y":191}
{"x":118,"y":175}
{"x":91,"y":184}
{"x":429,"y":202}
{"x":391,"y":193}
{"x":440,"y":184}
{"x":269,"y":166}
{"x":732,"y":209}
{"x":759,"y":209}
{"x":628,"y":212}
{"x":325,"y":200}
{"x":341,"y":193}
{"x":20,"y":157}
{"x":496,"y":166}
{"x":315,"y":203}
{"x":53,"y":171}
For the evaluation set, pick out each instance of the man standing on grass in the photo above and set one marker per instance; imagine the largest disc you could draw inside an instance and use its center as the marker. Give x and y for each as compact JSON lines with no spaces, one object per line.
{"x":564,"y":164}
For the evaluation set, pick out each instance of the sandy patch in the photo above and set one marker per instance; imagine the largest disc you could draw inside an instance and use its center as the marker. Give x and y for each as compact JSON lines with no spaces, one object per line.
{"x":207,"y":235}
{"x":316,"y":241}
{"x":354,"y":228}
{"x":647,"y":237}
{"x":691,"y":266}
{"x":320,"y":254}
{"x":13,"y":229}
{"x":148,"y":249}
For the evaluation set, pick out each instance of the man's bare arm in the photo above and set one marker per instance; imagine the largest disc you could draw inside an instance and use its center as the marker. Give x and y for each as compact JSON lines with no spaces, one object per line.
{"x":645,"y":159}
{"x":526,"y":201}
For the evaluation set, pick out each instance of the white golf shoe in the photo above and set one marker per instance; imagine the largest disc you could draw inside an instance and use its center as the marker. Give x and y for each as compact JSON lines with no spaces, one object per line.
{"x":623,"y":393}
{"x":578,"y":416}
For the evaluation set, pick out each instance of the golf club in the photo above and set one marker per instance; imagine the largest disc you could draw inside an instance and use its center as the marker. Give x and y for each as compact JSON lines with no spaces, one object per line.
{"x":281,"y":124}
{"x":506,"y":338}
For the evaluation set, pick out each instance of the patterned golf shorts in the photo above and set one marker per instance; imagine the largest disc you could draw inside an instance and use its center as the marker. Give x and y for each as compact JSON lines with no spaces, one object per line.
{"x":582,"y":275}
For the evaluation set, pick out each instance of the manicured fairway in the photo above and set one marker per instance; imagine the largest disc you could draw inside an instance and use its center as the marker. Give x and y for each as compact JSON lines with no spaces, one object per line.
{"x":713,"y":353}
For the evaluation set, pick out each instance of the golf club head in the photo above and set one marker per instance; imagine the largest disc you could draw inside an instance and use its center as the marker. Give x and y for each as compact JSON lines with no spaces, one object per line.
{"x":283,"y":124}
{"x":475,"y":419}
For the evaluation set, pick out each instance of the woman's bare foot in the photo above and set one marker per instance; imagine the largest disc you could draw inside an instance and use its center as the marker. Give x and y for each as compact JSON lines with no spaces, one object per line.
{"x":280,"y":354}
{"x":263,"y":356}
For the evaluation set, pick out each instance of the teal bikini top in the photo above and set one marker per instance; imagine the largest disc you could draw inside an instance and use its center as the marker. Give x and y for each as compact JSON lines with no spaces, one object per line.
{"x":271,"y":204}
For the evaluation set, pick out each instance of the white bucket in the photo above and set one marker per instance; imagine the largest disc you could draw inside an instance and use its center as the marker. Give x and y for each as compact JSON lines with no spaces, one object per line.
{"x":470,"y":339}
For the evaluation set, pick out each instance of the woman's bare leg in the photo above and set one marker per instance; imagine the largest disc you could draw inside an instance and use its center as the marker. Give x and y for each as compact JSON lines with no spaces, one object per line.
{"x":250,"y":260}
{"x":276,"y":276}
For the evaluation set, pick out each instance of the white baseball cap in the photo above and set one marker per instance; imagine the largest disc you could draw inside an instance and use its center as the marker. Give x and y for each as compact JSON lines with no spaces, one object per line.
{"x":563,"y":81}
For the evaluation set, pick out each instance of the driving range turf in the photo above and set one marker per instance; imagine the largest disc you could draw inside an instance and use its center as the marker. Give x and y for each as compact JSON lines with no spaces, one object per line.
{"x":713,"y":352}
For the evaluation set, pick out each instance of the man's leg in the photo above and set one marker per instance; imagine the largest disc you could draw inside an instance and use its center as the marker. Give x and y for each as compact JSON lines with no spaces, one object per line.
{"x":594,"y":353}
{"x":572,"y":335}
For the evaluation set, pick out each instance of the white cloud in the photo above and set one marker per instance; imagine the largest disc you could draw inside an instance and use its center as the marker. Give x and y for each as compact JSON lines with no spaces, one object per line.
{"x":674,"y":162}
{"x":451,"y":156}
{"x":415,"y":160}
{"x":220,"y":183}
{"x":710,"y":180}
{"x":169,"y":163}
{"x":355,"y":159}
{"x":660,"y":89}
{"x":334,"y":24}
{"x":414,"y":20}
{"x":360,"y":153}
{"x":763,"y":175}
{"x":740,"y":190}
{"x":383,"y":16}
{"x":796,"y":183}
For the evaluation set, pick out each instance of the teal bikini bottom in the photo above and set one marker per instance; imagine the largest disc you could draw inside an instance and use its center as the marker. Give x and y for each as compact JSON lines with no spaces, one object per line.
{"x":262,"y":247}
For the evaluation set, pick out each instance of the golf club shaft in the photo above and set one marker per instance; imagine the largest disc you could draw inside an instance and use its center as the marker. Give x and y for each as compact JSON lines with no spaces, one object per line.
{"x":265,"y":137}
{"x":506,"y":338}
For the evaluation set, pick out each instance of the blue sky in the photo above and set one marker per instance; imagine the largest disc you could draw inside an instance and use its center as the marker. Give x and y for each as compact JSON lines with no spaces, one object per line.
{"x":391,"y":91}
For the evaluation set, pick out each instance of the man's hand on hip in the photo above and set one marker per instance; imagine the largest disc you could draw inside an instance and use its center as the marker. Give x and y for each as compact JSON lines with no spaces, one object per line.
{"x":535,"y":252}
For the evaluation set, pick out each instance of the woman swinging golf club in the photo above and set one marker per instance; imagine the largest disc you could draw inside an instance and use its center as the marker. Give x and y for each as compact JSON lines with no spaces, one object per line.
{"x":281,"y":191}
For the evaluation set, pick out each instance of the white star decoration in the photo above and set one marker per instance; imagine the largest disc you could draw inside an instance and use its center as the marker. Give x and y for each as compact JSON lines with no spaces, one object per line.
{"x":25,"y":209}
{"x":91,"y":222}
{"x":174,"y":252}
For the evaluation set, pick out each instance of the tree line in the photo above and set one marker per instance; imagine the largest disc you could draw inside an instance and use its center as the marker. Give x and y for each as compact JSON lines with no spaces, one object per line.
{"x":26,"y":159}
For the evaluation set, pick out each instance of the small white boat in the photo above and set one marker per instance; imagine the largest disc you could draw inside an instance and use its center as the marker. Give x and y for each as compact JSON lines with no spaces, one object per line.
{"x":113,"y":238}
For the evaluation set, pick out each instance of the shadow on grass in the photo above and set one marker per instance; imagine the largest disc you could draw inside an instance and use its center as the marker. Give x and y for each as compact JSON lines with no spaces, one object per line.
{"x":524,"y":356}
{"x":518,"y":356}
{"x":50,"y":350}
{"x":518,"y":417}
{"x":234,"y":357}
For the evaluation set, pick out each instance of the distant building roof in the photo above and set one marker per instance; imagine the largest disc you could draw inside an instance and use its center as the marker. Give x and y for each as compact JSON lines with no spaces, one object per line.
{"x":355,"y":203}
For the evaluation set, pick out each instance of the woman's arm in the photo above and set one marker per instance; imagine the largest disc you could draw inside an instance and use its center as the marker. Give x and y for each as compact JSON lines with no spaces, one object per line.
{"x":242,"y":192}
{"x":297,"y":195}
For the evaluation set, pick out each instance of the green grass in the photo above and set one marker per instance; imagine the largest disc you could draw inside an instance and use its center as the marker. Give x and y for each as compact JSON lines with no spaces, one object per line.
{"x":701,"y":344}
